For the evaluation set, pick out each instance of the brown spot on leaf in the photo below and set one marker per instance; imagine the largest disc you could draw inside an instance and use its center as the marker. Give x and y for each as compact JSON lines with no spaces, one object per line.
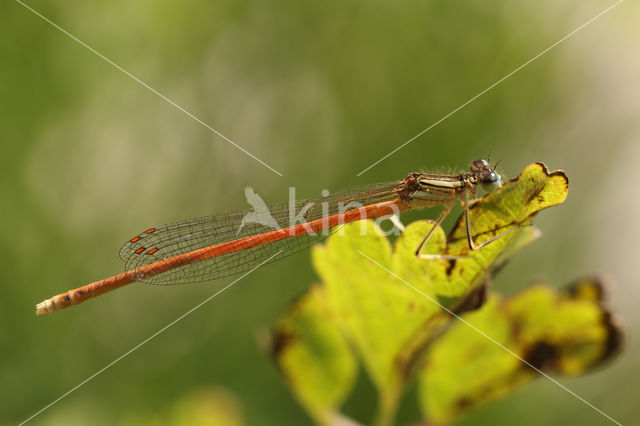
{"x":452,"y":264}
{"x":464,"y":403}
{"x":281,"y":340}
{"x":536,"y":194}
{"x":542,"y":356}
{"x":615,"y":336}
{"x":598,"y":284}
{"x":474,"y":300}
{"x":546,"y":172}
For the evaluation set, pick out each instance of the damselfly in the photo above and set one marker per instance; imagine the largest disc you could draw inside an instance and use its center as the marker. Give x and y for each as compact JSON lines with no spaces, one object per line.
{"x":218,"y":246}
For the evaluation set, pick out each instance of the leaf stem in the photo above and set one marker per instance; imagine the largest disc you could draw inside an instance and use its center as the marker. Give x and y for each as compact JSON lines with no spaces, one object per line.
{"x":388,"y":406}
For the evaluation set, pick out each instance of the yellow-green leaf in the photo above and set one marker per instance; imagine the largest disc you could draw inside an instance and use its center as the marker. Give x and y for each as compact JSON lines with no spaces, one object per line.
{"x":207,"y":407}
{"x":567,"y":333}
{"x":210,"y":406}
{"x":376,"y":311}
{"x":521,"y":198}
{"x":313,"y":356}
{"x":507,"y":212}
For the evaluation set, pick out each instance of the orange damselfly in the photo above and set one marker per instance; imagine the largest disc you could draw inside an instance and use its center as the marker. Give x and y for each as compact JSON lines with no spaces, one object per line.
{"x":218,"y":246}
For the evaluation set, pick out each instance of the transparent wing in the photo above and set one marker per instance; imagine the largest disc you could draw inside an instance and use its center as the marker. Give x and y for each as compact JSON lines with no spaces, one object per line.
{"x":173,"y":239}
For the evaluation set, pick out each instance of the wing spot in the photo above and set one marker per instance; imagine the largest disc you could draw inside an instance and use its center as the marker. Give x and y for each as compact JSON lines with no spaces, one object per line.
{"x":140,"y":250}
{"x":135,"y":239}
{"x":150,"y":231}
{"x":153,"y":250}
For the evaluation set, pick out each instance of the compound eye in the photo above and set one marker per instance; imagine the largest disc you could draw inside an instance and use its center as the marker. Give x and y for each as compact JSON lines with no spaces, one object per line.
{"x":491,"y":182}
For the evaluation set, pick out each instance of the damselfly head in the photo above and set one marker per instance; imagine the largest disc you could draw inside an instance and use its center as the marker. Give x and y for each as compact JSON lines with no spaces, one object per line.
{"x":487,"y":176}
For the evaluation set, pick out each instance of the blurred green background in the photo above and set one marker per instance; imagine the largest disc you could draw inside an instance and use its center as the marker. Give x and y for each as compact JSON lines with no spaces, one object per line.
{"x":319,"y":91}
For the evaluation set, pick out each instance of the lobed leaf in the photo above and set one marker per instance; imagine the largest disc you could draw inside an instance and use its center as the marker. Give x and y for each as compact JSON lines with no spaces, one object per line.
{"x":565,"y":332}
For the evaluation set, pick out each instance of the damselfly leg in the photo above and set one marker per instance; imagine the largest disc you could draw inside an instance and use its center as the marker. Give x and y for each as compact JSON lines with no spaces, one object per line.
{"x":445,"y":213}
{"x":467,"y":198}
